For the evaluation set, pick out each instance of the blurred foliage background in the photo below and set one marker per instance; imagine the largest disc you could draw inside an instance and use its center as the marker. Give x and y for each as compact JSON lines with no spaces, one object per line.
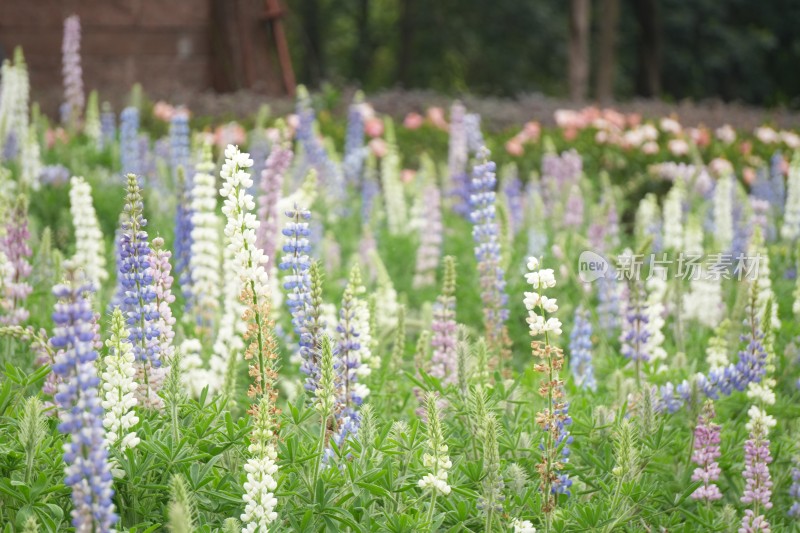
{"x":670,"y":49}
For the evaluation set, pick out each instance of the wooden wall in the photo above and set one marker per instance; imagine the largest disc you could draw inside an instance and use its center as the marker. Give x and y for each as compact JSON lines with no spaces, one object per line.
{"x":170,"y":46}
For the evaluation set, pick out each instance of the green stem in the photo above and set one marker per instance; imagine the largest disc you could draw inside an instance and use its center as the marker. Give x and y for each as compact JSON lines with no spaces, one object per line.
{"x":320,"y":451}
{"x":429,"y":520}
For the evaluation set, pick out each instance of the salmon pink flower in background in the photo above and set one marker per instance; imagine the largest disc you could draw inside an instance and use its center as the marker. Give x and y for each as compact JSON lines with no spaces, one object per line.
{"x":373,"y":127}
{"x":378,"y":147}
{"x":413,"y":121}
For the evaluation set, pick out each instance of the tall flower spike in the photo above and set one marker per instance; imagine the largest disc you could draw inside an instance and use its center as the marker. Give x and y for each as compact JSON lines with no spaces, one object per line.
{"x":298,"y":288}
{"x":491,"y":501}
{"x":758,"y":482}
{"x":445,"y":335}
{"x":393,"y":190}
{"x":673,"y":217}
{"x":352,"y":367}
{"x":485,"y":233}
{"x":15,"y":246}
{"x":87,"y":471}
{"x":271,"y":190}
{"x":119,"y":387}
{"x":108,"y":126}
{"x":315,"y":154}
{"x":705,"y":455}
{"x":90,"y":253}
{"x":580,"y":351}
{"x":14,"y":101}
{"x":635,"y":333}
{"x":435,"y":458}
{"x":723,"y":212}
{"x":554,"y":419}
{"x":790,"y":230}
{"x":457,"y":160}
{"x":129,"y":141}
{"x":794,"y":490}
{"x":162,"y":284}
{"x":354,"y":150}
{"x":71,"y":69}
{"x":183,"y":235}
{"x":138,"y":303}
{"x":92,"y":126}
{"x":430,"y":245}
{"x":249,"y":262}
{"x":205,"y":261}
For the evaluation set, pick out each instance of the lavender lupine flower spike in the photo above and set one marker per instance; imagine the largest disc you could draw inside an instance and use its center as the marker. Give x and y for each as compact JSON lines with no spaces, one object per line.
{"x":634,"y":328}
{"x":179,"y":145}
{"x":485,"y":233}
{"x":183,"y":235}
{"x":354,"y":150}
{"x":271,"y":188}
{"x":445,"y":330}
{"x":138,"y":304}
{"x":17,"y":251}
{"x":87,"y":470}
{"x":758,"y":482}
{"x":162,"y":284}
{"x":457,"y":160}
{"x":129,"y":141}
{"x":794,"y":490}
{"x":430,"y":246}
{"x":580,"y":351}
{"x":108,"y":126}
{"x":316,"y":156}
{"x":74,"y":98}
{"x":705,"y":455}
{"x":350,"y":365}
{"x":298,"y":288}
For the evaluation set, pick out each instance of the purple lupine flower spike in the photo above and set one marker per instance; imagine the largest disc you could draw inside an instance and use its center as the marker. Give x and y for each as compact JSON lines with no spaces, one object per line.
{"x":108,"y":126}
{"x":129,"y":141}
{"x":18,"y":252}
{"x":354,"y":150}
{"x":457,"y":160}
{"x":87,"y":469}
{"x":162,"y":284}
{"x":74,"y":98}
{"x":138,"y":302}
{"x":794,"y":490}
{"x":758,"y":482}
{"x":485,"y":233}
{"x":705,"y":455}
{"x":278,"y":162}
{"x":634,"y":326}
{"x":580,"y":350}
{"x":348,"y":361}
{"x":445,"y":330}
{"x":559,"y":174}
{"x":183,"y":235}
{"x":430,"y":246}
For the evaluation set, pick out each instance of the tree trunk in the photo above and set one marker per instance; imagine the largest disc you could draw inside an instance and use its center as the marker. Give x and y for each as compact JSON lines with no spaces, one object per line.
{"x":606,"y":54}
{"x":314,"y":64}
{"x":406,"y":36}
{"x":648,"y":78}
{"x":362,"y":55}
{"x":579,"y":16}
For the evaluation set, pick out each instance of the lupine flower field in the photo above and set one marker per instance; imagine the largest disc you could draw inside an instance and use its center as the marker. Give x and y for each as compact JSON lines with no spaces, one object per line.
{"x":341,"y":322}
